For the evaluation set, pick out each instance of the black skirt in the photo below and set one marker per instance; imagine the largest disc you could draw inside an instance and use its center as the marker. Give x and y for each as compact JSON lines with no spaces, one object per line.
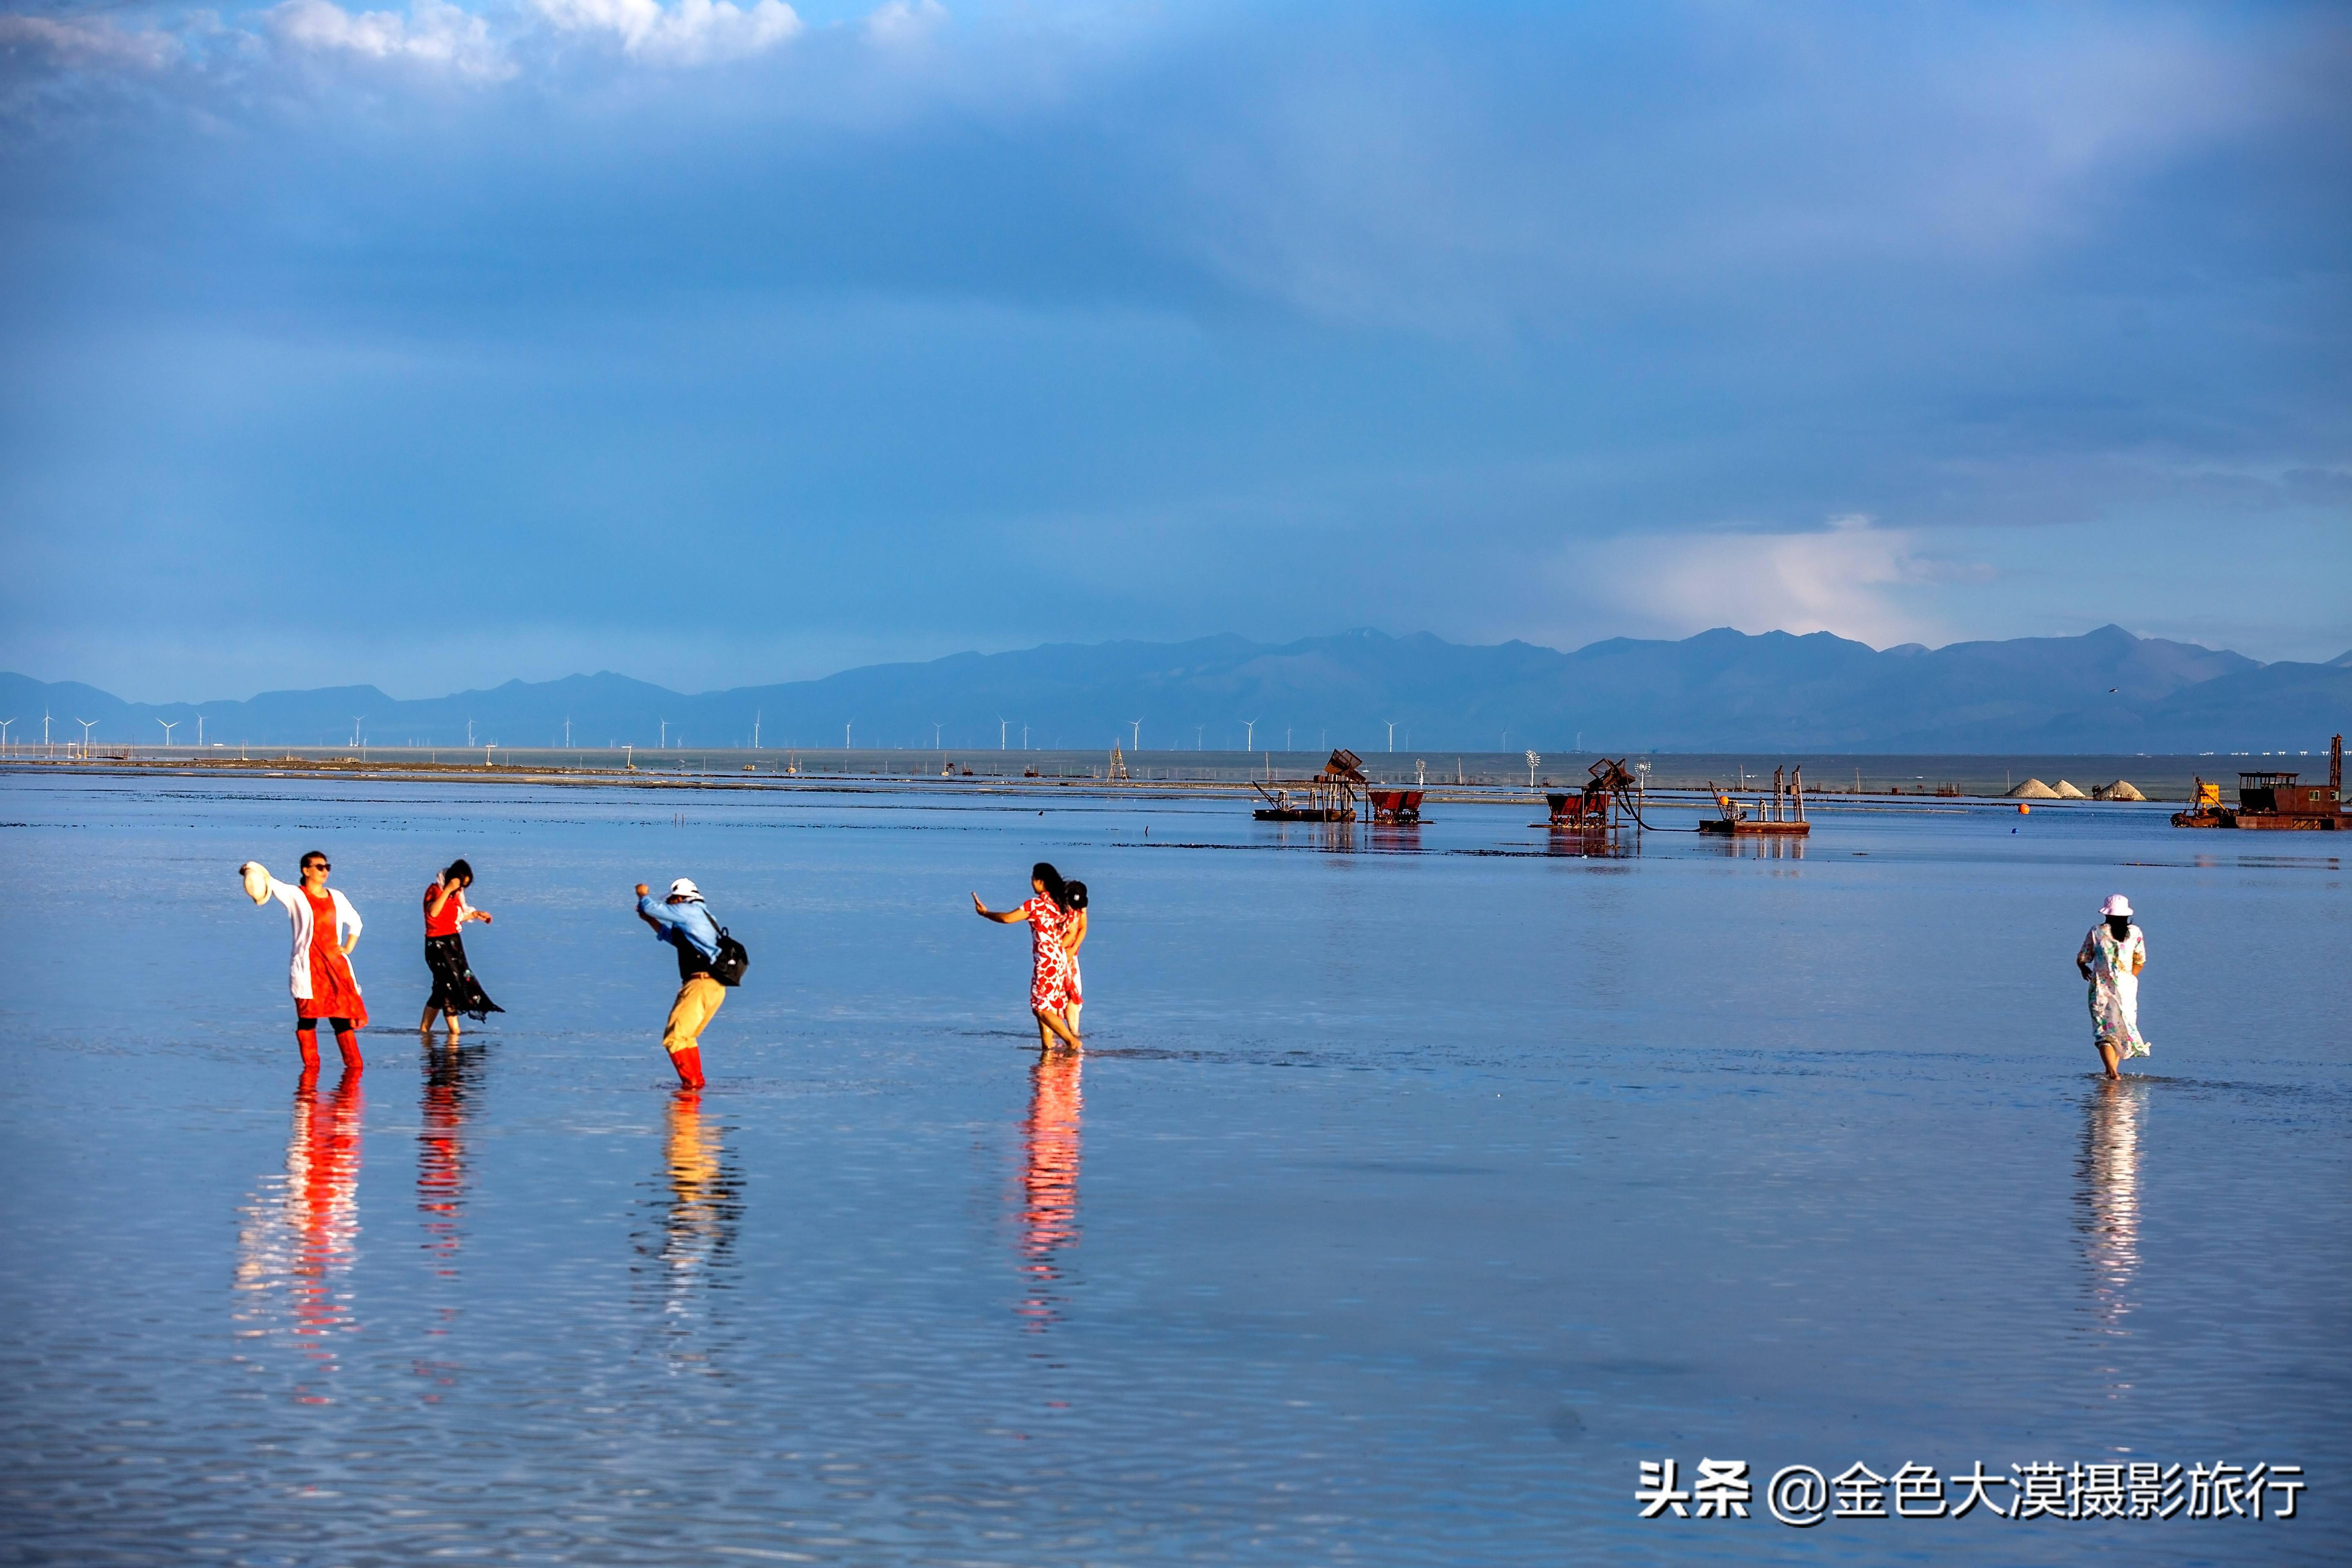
{"x":455,"y":989}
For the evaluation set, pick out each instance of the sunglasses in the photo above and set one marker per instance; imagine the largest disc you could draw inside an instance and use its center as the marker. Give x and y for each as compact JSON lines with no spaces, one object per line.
{"x":316,"y":866}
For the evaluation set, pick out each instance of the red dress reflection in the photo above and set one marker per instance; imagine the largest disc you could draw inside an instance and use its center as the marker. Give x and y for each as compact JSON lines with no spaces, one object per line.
{"x":1049,"y":1182}
{"x":441,"y":1156}
{"x":301,"y":1238}
{"x":450,"y":1074}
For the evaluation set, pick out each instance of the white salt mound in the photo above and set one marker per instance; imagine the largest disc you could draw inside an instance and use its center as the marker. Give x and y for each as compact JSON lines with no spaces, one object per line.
{"x":2033,"y":789}
{"x":2119,"y":790}
{"x":2068,"y":792}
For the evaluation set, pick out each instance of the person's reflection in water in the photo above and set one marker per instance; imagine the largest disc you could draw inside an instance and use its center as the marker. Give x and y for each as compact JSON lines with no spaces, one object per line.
{"x":2108,"y":1200}
{"x":700,"y":1210}
{"x":301,"y":1237}
{"x":451,"y":1074}
{"x":1049,"y":1183}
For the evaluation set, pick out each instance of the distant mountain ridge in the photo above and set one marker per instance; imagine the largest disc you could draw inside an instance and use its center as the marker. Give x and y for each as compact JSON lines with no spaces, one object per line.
{"x":2107,"y":690}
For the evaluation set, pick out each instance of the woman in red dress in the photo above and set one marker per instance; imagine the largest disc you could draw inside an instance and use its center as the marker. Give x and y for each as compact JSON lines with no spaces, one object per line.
{"x":326,"y":928}
{"x":1053,"y":976}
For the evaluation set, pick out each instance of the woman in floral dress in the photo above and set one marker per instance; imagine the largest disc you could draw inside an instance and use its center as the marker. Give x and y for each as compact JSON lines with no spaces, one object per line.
{"x":2111,"y":958}
{"x":1053,"y":977}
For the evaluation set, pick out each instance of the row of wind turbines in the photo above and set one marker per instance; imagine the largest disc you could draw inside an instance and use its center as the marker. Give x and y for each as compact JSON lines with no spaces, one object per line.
{"x":938,"y":728}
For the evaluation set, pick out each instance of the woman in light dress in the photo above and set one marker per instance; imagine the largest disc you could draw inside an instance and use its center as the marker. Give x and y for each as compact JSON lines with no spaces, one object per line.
{"x":2110,"y":959}
{"x":1053,"y":979}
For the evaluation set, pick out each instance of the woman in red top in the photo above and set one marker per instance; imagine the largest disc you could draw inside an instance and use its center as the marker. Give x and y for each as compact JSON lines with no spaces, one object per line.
{"x":455,"y":989}
{"x":1053,"y":977}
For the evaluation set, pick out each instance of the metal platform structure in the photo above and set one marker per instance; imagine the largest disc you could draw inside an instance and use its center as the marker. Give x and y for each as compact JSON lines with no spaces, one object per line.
{"x":1610,"y":800}
{"x":1329,"y":797}
{"x":1780,"y":816}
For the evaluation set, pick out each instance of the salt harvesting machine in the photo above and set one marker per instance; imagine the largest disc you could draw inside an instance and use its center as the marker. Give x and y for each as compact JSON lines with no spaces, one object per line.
{"x":2274,"y":800}
{"x":1331,"y":796}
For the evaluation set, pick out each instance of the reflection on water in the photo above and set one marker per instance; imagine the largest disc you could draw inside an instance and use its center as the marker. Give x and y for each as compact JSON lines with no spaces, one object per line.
{"x":2107,"y":1196}
{"x":1594,"y":843}
{"x":697,"y":1210}
{"x":1760,"y":848}
{"x":1332,"y":838}
{"x":1049,"y":1183}
{"x":1444,"y":1182}
{"x":451,"y":1075}
{"x":300,"y":1234}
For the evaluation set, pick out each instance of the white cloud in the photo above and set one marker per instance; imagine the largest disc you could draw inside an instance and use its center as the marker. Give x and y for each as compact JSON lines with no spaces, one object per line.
{"x":86,"y":44}
{"x":1850,"y":578}
{"x":691,"y":32}
{"x":905,"y":21}
{"x":433,"y":33}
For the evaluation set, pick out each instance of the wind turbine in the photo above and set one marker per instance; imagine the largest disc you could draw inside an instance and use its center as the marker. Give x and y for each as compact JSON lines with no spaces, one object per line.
{"x":4,"y":735}
{"x":936,"y":728}
{"x":662,"y":745}
{"x":1002,"y":724}
{"x":1249,"y":735}
{"x":1391,"y":724}
{"x":1135,"y":741}
{"x":567,"y":732}
{"x":757,"y":714}
{"x":200,"y":731}
{"x":357,"y":719}
{"x":1532,"y":760}
{"x":844,"y":733}
{"x":167,"y":732}
{"x":87,"y":723}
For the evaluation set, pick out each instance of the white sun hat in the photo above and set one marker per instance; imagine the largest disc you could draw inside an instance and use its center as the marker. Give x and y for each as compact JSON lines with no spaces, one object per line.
{"x":684,"y":888}
{"x":2117,"y":904}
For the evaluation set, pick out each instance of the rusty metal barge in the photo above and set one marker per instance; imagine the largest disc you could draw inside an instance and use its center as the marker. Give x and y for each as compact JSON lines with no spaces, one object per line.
{"x":1780,"y":816}
{"x":2275,"y":801}
{"x":1329,"y":797}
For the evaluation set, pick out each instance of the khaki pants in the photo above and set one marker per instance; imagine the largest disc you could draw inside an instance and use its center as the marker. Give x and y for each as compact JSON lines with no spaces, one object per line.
{"x":697,"y":1001}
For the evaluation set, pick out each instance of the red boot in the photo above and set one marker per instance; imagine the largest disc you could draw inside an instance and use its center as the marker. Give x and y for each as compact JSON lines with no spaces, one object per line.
{"x":348,"y":1042}
{"x":689,"y":1063}
{"x":307,"y":1040}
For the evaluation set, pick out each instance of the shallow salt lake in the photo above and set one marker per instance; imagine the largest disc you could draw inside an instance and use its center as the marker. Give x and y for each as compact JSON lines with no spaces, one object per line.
{"x":1419,"y":1186}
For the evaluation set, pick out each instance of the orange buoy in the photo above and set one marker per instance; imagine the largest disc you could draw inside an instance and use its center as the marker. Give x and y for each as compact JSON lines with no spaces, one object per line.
{"x":2023,"y":808}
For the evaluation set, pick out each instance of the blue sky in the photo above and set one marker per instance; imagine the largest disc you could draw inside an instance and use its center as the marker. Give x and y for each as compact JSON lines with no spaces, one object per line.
{"x":719,"y":343}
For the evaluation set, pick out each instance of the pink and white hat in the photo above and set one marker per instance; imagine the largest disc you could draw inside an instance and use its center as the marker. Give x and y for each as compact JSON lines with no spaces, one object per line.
{"x":2117,"y":904}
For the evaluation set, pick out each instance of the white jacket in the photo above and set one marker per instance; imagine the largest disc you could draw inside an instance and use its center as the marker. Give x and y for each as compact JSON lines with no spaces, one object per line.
{"x":297,"y":908}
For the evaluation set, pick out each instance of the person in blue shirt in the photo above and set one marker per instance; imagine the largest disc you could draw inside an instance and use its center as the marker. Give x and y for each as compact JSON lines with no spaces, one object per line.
{"x":682,"y":921}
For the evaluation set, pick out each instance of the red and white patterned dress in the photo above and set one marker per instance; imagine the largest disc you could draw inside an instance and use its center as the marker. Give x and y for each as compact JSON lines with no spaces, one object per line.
{"x":1052,"y":978}
{"x":334,"y":992}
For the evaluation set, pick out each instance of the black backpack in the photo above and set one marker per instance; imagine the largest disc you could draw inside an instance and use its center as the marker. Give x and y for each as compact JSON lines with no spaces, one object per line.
{"x":732,"y":961}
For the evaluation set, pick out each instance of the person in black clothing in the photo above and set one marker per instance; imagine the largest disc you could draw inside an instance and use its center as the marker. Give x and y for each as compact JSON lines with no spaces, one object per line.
{"x":455,"y":989}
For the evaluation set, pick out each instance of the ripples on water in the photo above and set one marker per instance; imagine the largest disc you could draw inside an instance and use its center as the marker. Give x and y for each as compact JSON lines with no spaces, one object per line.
{"x":1421,"y":1183}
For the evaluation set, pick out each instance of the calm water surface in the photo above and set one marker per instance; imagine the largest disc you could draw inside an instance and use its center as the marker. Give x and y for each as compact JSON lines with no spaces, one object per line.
{"x":1420,"y":1186}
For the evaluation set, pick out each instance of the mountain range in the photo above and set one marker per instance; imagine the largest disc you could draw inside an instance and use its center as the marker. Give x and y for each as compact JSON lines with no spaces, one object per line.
{"x":2107,"y":690}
